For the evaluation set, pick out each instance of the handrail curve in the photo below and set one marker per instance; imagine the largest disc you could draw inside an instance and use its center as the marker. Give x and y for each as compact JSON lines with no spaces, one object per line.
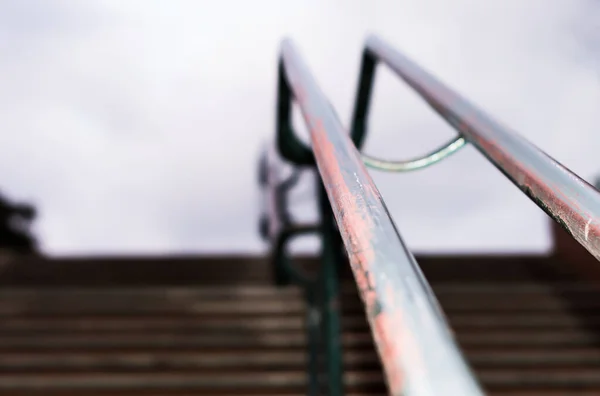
{"x":563,"y":195}
{"x":416,"y":163}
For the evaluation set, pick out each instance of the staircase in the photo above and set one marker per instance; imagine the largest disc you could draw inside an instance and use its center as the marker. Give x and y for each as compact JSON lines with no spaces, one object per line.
{"x":528,"y":326}
{"x":217,"y":326}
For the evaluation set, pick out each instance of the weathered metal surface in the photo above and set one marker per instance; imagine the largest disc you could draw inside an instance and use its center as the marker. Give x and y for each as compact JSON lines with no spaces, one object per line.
{"x":568,"y":199}
{"x":418,"y":352}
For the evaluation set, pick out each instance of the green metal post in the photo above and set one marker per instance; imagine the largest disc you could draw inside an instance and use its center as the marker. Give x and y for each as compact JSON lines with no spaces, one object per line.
{"x":313,"y":330}
{"x":331,"y":258}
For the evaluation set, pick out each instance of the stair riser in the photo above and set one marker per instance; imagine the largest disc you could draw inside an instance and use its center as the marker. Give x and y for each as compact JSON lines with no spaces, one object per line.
{"x":218,"y":339}
{"x":264,"y":380}
{"x":269,"y":306}
{"x":151,"y":324}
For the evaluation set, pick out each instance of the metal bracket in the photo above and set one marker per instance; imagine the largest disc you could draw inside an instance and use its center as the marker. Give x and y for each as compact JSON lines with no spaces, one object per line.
{"x":415,"y":163}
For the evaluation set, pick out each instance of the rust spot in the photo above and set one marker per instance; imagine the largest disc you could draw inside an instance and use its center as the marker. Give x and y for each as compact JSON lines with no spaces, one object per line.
{"x":562,"y":207}
{"x":385,"y":338}
{"x":356,"y":226}
{"x":559,"y":205}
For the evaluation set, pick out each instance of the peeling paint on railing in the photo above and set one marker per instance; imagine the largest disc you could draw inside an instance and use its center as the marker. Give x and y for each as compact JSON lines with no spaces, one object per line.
{"x":416,"y":347}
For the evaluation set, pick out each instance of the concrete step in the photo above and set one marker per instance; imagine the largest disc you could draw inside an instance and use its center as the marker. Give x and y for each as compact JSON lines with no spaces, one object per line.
{"x":290,"y":339}
{"x":237,"y":381}
{"x":244,"y":270}
{"x":285,"y":359}
{"x":245,"y":306}
{"x":150,"y":294}
{"x":529,"y":289}
{"x":290,"y":392}
{"x":293,"y":380}
{"x":268,"y":322}
{"x":466,"y":288}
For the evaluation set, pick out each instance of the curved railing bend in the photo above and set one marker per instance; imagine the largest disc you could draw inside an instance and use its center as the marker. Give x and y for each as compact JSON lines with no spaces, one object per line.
{"x":563,"y":195}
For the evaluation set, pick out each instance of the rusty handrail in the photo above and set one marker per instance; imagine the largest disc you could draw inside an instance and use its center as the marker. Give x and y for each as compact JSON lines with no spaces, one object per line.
{"x":563,"y":195}
{"x":416,"y":347}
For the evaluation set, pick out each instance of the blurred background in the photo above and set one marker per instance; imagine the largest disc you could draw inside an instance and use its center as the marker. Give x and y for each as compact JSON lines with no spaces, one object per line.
{"x":135,"y":126}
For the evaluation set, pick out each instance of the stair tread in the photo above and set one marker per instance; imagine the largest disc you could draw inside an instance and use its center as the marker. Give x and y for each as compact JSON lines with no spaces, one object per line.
{"x":295,"y":378}
{"x":266,"y":378}
{"x":152,"y":323}
{"x":190,"y":304}
{"x":274,"y":360}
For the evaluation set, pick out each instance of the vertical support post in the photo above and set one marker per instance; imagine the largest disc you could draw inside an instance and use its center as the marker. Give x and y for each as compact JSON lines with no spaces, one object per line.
{"x":358,"y":127}
{"x":331,"y":258}
{"x":322,"y":295}
{"x":282,"y":277}
{"x":288,"y":144}
{"x":313,"y":327}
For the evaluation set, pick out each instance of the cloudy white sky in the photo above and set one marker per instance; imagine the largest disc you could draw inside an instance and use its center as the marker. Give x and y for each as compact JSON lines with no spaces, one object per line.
{"x":135,"y":126}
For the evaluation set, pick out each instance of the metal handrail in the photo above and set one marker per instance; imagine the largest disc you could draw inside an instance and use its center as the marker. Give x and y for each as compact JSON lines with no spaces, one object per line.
{"x":563,"y":195}
{"x":416,"y":347}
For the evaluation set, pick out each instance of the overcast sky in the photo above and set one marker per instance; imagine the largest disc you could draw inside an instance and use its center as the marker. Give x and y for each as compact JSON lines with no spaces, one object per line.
{"x":135,"y":126}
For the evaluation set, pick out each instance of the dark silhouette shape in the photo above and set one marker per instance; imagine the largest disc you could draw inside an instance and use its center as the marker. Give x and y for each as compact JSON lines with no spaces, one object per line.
{"x":15,"y":222}
{"x":281,"y":196}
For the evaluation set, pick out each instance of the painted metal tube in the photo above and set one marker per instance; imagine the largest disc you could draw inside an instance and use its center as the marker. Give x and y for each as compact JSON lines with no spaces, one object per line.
{"x":563,"y":195}
{"x":416,"y":347}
